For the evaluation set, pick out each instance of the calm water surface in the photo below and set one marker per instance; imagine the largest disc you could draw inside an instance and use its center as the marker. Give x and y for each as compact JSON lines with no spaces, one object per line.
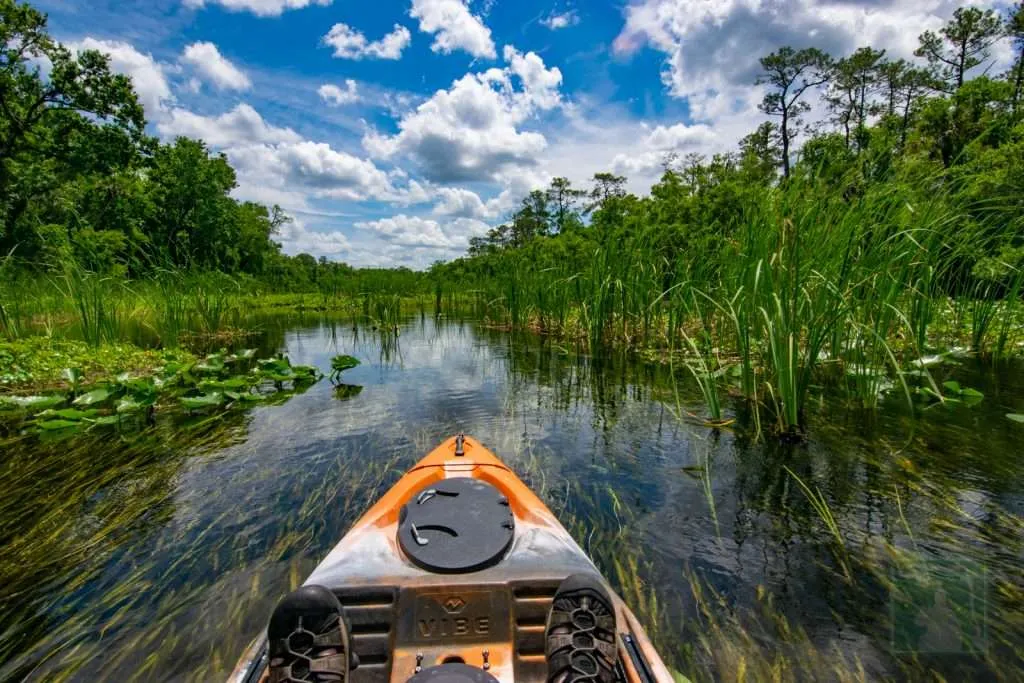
{"x":158,"y":556}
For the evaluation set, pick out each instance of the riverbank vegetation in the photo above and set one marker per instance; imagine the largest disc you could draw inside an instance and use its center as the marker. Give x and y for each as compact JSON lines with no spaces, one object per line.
{"x":895,"y":233}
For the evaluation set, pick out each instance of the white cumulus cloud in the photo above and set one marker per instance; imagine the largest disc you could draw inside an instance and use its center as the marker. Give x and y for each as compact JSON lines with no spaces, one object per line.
{"x":409,"y":231}
{"x":296,"y":238}
{"x":335,"y":96}
{"x":241,"y":126}
{"x":261,"y":8}
{"x":349,"y":43}
{"x":312,"y":167}
{"x":454,"y":27}
{"x":206,"y":59}
{"x":147,"y":74}
{"x":555,"y":20}
{"x":471,"y":131}
{"x":679,"y":139}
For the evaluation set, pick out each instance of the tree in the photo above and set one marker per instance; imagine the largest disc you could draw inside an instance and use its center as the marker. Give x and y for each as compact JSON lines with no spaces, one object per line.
{"x":1015,"y":30}
{"x":564,"y":198}
{"x":903,"y":86}
{"x":196,"y":225}
{"x":962,"y":44}
{"x":42,"y":120}
{"x":791,"y":73}
{"x":855,"y":82}
{"x":532,"y":220}
{"x":759,"y":153}
{"x":606,"y":186}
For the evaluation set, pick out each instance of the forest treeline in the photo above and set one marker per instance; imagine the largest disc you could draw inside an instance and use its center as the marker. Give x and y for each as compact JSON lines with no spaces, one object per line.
{"x":941,"y":128}
{"x":82,"y":182}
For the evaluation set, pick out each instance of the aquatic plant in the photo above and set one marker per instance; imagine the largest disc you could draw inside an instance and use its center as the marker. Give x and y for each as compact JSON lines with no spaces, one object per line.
{"x":216,"y":382}
{"x":340,"y":363}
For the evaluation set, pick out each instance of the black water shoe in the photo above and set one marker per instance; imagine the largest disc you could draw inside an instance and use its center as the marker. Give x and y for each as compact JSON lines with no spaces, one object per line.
{"x":308,"y":638}
{"x":580,"y":635}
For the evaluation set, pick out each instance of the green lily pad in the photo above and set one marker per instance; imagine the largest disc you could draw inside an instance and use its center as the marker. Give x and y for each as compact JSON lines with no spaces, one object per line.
{"x":243,"y":396}
{"x":204,"y":401}
{"x":342,"y":363}
{"x":31,"y":403}
{"x":93,"y":397}
{"x":129,"y":405}
{"x":69,"y":414}
{"x":54,"y":425}
{"x":1016,"y":417}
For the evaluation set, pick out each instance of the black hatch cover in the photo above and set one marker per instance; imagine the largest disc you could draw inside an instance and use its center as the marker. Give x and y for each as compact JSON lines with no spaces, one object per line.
{"x":455,"y":526}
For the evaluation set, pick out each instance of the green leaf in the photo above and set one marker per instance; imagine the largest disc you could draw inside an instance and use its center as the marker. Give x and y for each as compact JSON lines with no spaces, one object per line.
{"x":31,"y":403}
{"x":93,"y":397}
{"x":952,"y":387}
{"x":209,"y":368}
{"x":69,"y":414}
{"x":204,"y":401}
{"x":72,"y":376}
{"x":971,"y":393}
{"x":342,"y":363}
{"x":106,"y":420}
{"x":128,"y":405}
{"x":233,"y":383}
{"x":275,"y":365}
{"x":54,"y":425}
{"x":1016,"y":417}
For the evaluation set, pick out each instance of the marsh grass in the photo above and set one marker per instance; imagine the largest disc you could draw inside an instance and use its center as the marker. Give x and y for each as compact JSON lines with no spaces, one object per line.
{"x":811,"y":290}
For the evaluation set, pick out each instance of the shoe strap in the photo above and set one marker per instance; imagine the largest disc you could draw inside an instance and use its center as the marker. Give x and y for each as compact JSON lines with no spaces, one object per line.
{"x":331,"y":638}
{"x":331,"y":664}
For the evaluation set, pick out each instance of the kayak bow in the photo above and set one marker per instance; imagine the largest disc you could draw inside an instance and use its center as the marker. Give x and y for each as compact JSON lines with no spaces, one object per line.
{"x":458,"y":562}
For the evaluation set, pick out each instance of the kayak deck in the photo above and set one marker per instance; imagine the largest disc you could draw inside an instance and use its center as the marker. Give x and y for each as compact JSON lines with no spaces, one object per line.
{"x":404,"y":617}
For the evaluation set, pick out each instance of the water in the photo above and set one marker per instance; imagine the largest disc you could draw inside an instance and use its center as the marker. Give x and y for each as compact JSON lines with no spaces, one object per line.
{"x":158,"y":556}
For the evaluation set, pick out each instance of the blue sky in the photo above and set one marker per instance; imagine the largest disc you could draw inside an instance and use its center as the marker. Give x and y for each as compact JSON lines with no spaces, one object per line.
{"x":394,"y":131}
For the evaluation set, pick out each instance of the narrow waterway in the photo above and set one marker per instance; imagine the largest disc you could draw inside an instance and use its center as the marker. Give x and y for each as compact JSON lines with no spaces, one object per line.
{"x":157,"y":556}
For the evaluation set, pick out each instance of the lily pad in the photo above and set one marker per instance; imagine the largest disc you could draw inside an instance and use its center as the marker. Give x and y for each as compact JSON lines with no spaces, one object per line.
{"x":92,"y":397}
{"x":203,"y":401}
{"x":69,"y":414}
{"x":31,"y":403}
{"x":129,"y":405}
{"x":1016,"y":417}
{"x":342,"y":363}
{"x":54,"y":425}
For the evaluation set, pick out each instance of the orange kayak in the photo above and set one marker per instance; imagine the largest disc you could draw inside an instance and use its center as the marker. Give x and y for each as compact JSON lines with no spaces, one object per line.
{"x":467,"y":578}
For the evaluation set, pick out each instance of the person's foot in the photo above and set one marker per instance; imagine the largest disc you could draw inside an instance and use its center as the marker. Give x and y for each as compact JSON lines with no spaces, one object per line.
{"x":580,"y":635}
{"x":308,"y":638}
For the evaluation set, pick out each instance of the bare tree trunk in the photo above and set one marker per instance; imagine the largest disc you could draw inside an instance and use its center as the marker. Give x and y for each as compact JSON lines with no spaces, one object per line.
{"x":785,"y":141}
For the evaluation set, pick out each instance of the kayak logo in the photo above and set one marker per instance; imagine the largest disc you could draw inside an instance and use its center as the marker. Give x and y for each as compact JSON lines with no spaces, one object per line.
{"x":465,"y":616}
{"x":454,"y":605}
{"x":455,"y":627}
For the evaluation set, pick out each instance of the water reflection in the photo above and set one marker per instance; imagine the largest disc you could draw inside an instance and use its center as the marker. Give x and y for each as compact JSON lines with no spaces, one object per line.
{"x":159,"y":557}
